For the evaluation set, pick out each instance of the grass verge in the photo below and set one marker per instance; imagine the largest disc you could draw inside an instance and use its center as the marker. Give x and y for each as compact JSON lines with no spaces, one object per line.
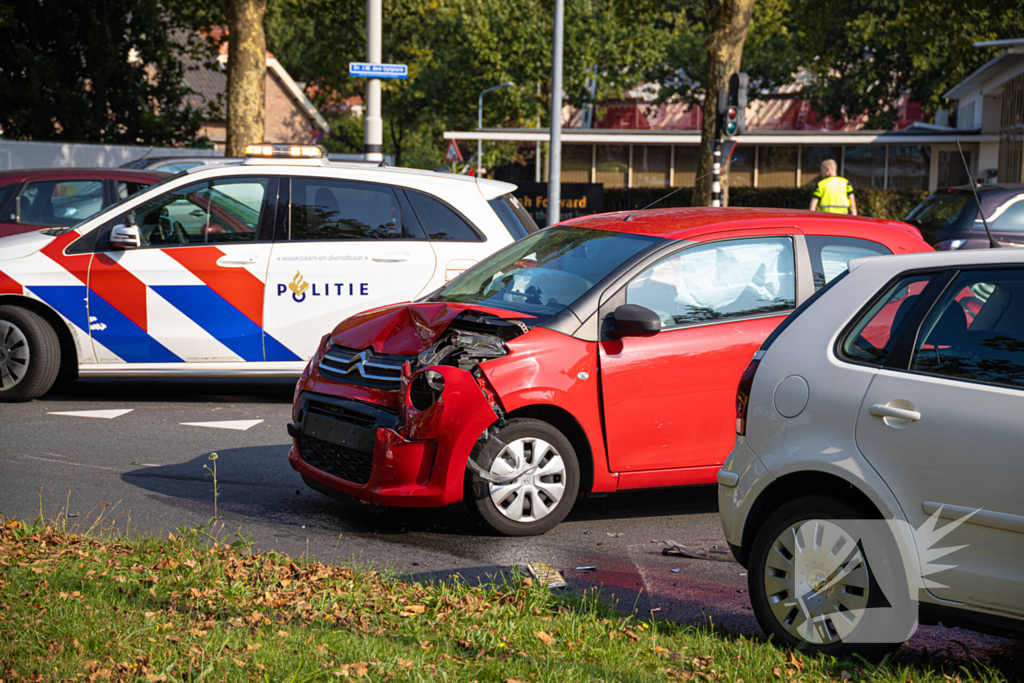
{"x":79,"y":608}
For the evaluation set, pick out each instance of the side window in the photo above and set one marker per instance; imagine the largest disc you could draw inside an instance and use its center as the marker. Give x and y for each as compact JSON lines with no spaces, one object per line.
{"x":442,"y":223}
{"x":6,"y":194}
{"x":871,"y":338}
{"x":719,"y":281}
{"x":126,"y":189}
{"x":513,"y":216}
{"x":225,"y":210}
{"x":976,"y":330}
{"x":830,"y":255}
{"x":343,"y":210}
{"x":60,"y":202}
{"x":1010,"y":220}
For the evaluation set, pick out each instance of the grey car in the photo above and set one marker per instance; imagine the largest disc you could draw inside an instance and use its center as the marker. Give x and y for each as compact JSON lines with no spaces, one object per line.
{"x":950,"y":219}
{"x":878,"y":463}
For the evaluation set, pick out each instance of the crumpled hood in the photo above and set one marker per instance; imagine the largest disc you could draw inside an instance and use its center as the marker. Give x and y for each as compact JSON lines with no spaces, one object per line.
{"x":406,"y":329}
{"x":23,"y":244}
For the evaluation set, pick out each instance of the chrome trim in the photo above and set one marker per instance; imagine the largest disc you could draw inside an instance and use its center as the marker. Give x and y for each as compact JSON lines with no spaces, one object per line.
{"x":988,"y":518}
{"x":336,"y":358}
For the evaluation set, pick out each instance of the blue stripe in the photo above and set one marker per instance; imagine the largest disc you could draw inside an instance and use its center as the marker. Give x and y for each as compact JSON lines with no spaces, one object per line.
{"x":122,"y":336}
{"x":276,"y":350}
{"x":69,"y":301}
{"x":216,"y":316}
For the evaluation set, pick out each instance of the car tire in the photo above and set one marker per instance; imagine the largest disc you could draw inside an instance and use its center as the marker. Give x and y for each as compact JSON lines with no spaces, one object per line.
{"x":29,"y":355}
{"x":768,"y":604}
{"x":535,"y":502}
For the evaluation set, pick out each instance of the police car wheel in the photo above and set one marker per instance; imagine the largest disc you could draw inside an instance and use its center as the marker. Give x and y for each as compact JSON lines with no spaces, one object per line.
{"x":29,"y":355}
{"x":540,"y":498}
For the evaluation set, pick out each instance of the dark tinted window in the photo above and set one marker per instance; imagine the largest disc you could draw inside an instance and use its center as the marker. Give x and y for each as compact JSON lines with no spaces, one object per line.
{"x":6,"y":193}
{"x":719,"y":281}
{"x":60,"y":202}
{"x":976,"y":330}
{"x":871,"y":338}
{"x":343,"y":210}
{"x":442,"y":223}
{"x":126,"y":189}
{"x":515,"y":218}
{"x":1010,"y":220}
{"x":830,"y":255}
{"x":942,"y":210}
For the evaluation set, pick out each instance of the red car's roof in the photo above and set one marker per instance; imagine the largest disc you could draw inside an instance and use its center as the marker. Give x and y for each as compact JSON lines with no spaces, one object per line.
{"x":691,"y":223}
{"x":17,"y":176}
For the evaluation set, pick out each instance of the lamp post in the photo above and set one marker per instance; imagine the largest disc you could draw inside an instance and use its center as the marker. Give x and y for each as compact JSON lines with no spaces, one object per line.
{"x":480,"y":123}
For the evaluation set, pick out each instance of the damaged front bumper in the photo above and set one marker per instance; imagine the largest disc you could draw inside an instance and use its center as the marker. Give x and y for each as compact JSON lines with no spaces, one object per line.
{"x":411,"y":457}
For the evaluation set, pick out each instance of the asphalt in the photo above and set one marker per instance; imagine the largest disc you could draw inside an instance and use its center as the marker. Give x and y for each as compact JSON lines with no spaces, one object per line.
{"x":146,"y":472}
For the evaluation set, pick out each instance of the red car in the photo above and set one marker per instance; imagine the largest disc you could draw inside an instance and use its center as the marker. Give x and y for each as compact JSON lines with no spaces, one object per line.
{"x":598,"y":355}
{"x":49,"y":197}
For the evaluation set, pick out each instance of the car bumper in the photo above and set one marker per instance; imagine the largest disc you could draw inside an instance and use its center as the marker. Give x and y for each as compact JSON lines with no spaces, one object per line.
{"x":401,"y":458}
{"x":740,"y":481}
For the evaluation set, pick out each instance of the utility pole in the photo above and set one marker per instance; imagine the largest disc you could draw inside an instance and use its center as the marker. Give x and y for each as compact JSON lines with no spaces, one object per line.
{"x":373,"y":124}
{"x":555,"y":148}
{"x":716,"y":150}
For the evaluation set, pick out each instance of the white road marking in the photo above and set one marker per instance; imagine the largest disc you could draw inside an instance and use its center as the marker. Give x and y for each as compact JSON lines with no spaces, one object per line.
{"x":65,"y":462}
{"x":102,"y":414}
{"x":237,"y":425}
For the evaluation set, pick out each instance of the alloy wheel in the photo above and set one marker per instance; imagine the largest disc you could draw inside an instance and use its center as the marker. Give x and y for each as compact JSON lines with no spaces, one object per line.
{"x":14,"y":355}
{"x":816,"y":581}
{"x":538,"y":490}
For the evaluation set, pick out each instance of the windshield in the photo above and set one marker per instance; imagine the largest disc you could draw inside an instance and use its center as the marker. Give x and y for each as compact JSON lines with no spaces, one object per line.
{"x":942,"y":210}
{"x":546,"y":272}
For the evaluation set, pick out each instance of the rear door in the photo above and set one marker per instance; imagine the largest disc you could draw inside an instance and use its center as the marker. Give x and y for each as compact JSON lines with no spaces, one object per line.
{"x":194,"y":290}
{"x":669,"y":399}
{"x":343,"y":247}
{"x":957,"y":448}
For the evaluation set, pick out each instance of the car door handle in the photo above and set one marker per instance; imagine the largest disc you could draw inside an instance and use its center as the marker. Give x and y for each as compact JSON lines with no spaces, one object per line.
{"x":392,"y":257}
{"x":236,"y":261}
{"x":885,"y":410}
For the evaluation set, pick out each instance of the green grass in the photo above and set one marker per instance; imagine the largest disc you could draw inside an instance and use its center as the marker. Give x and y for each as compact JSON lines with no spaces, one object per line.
{"x":85,"y":608}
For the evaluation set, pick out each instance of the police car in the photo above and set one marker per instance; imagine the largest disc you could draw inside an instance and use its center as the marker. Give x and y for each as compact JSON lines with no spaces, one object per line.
{"x":237,"y":270}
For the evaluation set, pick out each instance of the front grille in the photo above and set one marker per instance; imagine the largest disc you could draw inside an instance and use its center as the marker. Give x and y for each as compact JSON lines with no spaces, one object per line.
{"x":342,"y":462}
{"x":337,"y":412}
{"x":365,"y":368}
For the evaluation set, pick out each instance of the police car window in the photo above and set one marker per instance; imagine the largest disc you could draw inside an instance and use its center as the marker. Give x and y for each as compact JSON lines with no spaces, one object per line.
{"x":61,"y":202}
{"x":442,"y":223}
{"x":719,"y":281}
{"x":225,"y":210}
{"x":341,"y":210}
{"x":830,"y":255}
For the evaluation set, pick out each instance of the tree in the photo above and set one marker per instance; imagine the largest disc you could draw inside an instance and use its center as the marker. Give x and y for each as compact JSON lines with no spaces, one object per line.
{"x":865,"y":54}
{"x":247,"y":73}
{"x":84,"y":71}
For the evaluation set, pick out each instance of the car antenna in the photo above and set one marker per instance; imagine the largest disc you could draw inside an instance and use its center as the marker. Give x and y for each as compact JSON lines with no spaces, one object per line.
{"x":992,"y":244}
{"x":685,"y":187}
{"x":384,"y":159}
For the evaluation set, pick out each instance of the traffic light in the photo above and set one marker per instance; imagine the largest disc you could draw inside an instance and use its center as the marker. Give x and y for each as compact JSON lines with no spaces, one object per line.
{"x":734,"y":113}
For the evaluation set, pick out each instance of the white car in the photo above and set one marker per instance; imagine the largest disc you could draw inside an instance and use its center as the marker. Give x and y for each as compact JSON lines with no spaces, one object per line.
{"x":879,"y":437}
{"x":238,"y":269}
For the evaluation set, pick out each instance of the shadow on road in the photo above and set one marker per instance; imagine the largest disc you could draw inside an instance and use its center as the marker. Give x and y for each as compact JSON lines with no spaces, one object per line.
{"x":175,"y":390}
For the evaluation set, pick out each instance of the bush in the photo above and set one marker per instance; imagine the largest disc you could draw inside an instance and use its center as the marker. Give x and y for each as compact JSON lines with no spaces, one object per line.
{"x":890,"y":204}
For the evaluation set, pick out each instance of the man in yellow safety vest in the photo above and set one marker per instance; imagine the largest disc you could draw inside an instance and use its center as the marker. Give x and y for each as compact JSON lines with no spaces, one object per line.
{"x":833,"y":194}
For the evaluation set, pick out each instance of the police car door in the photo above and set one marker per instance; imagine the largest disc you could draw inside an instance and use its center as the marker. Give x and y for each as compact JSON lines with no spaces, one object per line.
{"x":194,"y":290}
{"x":345,"y":247}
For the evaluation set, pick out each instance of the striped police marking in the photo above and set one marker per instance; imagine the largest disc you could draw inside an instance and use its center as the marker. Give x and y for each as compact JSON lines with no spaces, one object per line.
{"x":217,"y":317}
{"x":238,"y":286}
{"x":118,"y":333}
{"x":68,"y":300}
{"x":276,"y":350}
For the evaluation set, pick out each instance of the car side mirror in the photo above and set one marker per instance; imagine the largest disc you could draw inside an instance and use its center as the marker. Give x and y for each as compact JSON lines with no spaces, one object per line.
{"x":126,"y":236}
{"x":631,"y":320}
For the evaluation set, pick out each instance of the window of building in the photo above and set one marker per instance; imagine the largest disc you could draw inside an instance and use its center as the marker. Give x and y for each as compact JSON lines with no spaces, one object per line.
{"x":909,"y":167}
{"x":810,"y":162}
{"x":576,"y":162}
{"x":776,"y":166}
{"x":741,"y":166}
{"x":864,"y":166}
{"x":612,"y":167}
{"x":651,"y":165}
{"x":687,"y":157}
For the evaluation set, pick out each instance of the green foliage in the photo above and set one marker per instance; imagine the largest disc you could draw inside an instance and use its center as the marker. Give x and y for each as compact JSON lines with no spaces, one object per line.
{"x":889,"y":204}
{"x":66,"y":74}
{"x":866,"y":53}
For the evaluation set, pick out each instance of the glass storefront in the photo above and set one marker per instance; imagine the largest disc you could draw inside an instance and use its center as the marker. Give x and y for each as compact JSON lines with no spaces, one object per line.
{"x":810,"y":162}
{"x":909,"y":166}
{"x":864,"y":166}
{"x":612,"y":165}
{"x":776,"y":166}
{"x":741,"y":166}
{"x":651,"y":165}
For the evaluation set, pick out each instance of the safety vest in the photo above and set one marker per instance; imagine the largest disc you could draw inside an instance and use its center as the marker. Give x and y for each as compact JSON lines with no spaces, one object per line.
{"x":833,"y":194}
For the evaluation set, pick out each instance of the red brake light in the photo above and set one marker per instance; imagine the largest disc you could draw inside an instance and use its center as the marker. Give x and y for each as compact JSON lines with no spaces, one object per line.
{"x":743,"y":394}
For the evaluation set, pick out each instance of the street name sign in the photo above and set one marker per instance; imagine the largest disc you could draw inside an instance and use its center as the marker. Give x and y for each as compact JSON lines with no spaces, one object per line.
{"x":367,"y":70}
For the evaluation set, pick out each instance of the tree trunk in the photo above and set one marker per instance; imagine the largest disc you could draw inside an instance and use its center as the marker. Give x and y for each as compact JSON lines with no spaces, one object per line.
{"x":728,"y":21}
{"x":247,"y":70}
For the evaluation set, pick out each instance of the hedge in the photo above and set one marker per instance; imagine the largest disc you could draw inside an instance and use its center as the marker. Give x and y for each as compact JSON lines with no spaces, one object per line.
{"x":892,"y":204}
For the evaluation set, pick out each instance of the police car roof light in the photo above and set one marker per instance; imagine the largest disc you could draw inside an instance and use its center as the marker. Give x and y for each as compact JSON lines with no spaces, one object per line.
{"x":286,"y":151}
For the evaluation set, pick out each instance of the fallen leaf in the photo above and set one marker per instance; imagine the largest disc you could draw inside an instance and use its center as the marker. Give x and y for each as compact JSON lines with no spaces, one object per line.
{"x":545,"y":638}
